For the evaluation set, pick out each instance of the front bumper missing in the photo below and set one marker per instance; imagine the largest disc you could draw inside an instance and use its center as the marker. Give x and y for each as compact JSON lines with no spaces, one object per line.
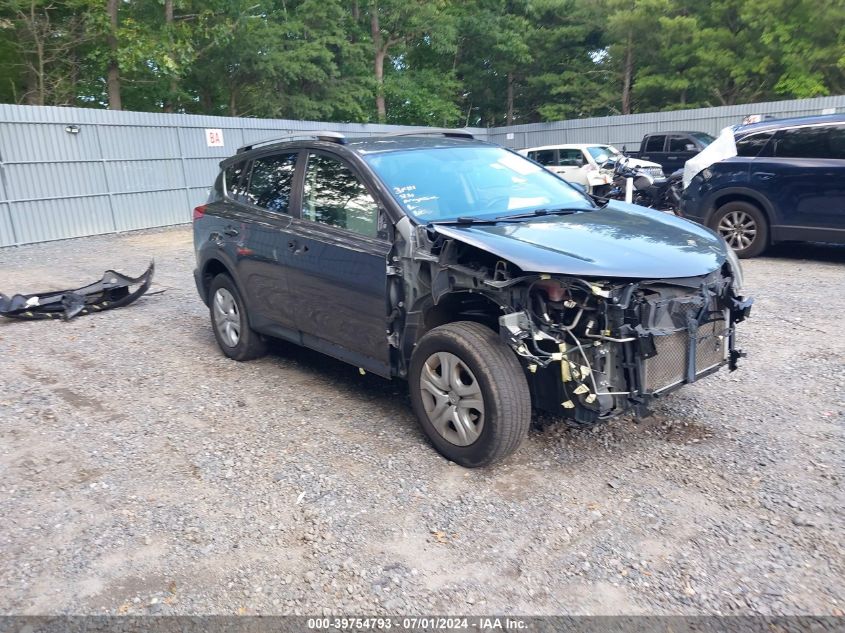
{"x":114,"y":290}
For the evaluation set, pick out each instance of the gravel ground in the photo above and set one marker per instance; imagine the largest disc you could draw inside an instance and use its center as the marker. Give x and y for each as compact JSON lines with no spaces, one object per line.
{"x":142,"y":472}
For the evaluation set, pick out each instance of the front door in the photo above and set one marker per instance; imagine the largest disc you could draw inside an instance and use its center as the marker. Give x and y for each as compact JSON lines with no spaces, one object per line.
{"x":337,"y":269}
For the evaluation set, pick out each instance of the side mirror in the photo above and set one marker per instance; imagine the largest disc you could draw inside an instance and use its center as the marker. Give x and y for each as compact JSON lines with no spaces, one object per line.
{"x":624,"y":149}
{"x":690,"y":147}
{"x":579,"y":187}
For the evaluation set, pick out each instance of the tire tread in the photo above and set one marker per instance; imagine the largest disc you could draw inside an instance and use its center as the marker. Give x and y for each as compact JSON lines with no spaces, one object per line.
{"x":506,"y":381}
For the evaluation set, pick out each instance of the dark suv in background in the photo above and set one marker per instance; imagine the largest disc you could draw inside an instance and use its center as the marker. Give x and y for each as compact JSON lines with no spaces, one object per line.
{"x":486,"y":281}
{"x":786,"y":183}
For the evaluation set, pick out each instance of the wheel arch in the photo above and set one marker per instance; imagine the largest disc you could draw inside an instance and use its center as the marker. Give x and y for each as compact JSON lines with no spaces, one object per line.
{"x":212,"y":267}
{"x":740,"y":194}
{"x":464,"y":305}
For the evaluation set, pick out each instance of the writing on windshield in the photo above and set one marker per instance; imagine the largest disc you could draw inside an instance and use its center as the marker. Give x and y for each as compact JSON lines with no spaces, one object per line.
{"x":449,"y":182}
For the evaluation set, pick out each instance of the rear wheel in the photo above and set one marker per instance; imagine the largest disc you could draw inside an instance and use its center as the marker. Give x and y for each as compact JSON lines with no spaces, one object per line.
{"x":743,"y":226}
{"x":470,"y":394}
{"x":230,"y":323}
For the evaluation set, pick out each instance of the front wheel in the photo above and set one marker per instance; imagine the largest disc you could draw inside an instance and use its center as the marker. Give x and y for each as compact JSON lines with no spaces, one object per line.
{"x":470,"y":394}
{"x":743,"y":226}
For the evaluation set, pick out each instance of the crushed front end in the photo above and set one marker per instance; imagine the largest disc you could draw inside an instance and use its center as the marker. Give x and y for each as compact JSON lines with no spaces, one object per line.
{"x":595,"y":349}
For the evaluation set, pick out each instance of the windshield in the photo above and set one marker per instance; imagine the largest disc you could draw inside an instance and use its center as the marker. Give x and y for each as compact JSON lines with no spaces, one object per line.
{"x":705,"y":139}
{"x":446,"y":183}
{"x":603,"y":153}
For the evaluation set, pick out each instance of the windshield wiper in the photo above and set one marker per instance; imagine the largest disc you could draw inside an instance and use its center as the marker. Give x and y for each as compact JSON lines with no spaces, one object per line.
{"x":536,"y":213}
{"x":465,"y":219}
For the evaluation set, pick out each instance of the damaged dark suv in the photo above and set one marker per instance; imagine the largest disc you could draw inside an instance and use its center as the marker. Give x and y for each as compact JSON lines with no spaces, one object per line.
{"x":488,"y":283}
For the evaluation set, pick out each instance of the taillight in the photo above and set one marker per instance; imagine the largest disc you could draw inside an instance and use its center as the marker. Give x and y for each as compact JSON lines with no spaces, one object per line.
{"x":199,"y":212}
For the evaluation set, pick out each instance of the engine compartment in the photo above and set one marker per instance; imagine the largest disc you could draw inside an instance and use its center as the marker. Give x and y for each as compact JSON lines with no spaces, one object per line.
{"x":592,"y":349}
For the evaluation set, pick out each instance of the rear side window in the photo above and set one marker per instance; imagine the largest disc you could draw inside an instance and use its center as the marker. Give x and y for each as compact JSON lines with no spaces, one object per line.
{"x":334,"y":196}
{"x":654,"y":143}
{"x":571,"y":158}
{"x":271,"y":181}
{"x":235,"y":181}
{"x":545,"y":157}
{"x":681,"y":144}
{"x":812,"y":142}
{"x":751,"y":146}
{"x":836,"y":142}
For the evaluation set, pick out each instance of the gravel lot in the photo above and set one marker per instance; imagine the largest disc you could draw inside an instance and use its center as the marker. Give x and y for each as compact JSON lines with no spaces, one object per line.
{"x":142,"y":472}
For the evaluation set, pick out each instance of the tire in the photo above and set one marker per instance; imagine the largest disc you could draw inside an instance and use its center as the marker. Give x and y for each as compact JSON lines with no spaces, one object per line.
{"x":230,"y":322}
{"x":485,"y":373}
{"x":738,"y":222}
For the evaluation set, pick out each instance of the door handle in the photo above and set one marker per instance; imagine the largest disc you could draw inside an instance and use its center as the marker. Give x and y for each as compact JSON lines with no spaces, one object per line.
{"x":231,"y":231}
{"x":672,"y":157}
{"x":763,"y":175}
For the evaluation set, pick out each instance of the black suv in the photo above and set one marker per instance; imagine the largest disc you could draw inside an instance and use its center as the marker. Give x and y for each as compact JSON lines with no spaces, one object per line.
{"x":787,"y":182}
{"x":489,"y":283}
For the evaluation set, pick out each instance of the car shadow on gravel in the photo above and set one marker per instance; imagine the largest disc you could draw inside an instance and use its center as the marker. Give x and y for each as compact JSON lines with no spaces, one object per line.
{"x":833,"y":253}
{"x":394,"y":393}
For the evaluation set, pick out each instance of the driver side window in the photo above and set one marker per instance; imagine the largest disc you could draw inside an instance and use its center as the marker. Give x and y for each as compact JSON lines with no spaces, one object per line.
{"x":333,"y":195}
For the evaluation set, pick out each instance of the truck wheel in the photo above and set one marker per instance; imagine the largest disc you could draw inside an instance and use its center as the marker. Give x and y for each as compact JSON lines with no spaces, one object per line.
{"x":470,"y":394}
{"x":743,"y":226}
{"x":230,"y":323}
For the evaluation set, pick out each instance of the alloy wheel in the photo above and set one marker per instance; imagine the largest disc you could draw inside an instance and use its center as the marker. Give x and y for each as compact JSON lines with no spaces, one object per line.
{"x":452,"y":398}
{"x":739,"y":229}
{"x":227,"y":318}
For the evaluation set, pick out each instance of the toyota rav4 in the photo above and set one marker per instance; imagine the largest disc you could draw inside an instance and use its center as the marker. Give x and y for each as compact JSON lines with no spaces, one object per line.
{"x":487,"y":282}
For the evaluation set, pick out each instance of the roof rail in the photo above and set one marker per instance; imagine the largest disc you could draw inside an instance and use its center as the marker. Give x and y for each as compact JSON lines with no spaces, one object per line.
{"x":434,"y":131}
{"x":320,"y":135}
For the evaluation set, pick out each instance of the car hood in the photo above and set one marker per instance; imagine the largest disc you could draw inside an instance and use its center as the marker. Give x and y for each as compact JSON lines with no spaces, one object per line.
{"x":639,"y":162}
{"x":619,"y":240}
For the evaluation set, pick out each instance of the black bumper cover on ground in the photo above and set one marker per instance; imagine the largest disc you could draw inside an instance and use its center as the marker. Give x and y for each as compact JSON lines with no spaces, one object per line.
{"x":112,"y":291}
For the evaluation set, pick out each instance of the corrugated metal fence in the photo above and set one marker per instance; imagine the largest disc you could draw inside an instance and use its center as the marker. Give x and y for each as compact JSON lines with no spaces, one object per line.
{"x":629,"y":129}
{"x":69,"y":172}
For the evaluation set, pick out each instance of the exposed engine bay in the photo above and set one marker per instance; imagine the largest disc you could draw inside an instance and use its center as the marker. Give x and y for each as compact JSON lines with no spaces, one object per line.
{"x":592,"y":349}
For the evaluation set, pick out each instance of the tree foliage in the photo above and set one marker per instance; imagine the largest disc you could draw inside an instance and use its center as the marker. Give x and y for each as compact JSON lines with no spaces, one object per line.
{"x":424,"y":62}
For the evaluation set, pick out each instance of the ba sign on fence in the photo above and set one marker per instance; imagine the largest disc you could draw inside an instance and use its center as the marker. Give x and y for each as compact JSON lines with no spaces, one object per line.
{"x":214,"y":138}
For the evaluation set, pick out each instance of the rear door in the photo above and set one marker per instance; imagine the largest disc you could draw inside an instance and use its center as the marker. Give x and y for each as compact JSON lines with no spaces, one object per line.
{"x":548,"y":158}
{"x":262,"y":243}
{"x":337,"y":267}
{"x":805,"y":175}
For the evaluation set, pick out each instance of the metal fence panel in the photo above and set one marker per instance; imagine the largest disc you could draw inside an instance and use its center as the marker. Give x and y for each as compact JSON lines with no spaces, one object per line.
{"x":28,"y":181}
{"x":138,"y":142}
{"x":201,"y":172}
{"x":628,"y":130}
{"x":150,"y":209}
{"x":7,"y":233}
{"x":56,"y":219}
{"x":144,"y":175}
{"x":44,"y":142}
{"x":70,"y":172}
